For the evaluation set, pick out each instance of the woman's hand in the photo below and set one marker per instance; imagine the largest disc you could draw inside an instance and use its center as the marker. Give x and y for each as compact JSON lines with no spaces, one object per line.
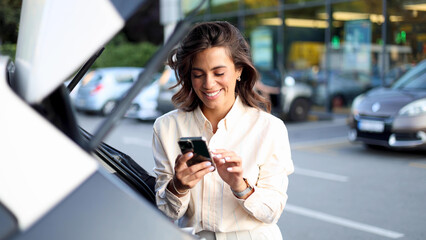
{"x":229,"y":167}
{"x":186,"y":177}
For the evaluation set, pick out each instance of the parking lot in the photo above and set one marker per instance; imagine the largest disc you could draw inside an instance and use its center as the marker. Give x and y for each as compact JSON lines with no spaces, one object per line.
{"x":339,"y":190}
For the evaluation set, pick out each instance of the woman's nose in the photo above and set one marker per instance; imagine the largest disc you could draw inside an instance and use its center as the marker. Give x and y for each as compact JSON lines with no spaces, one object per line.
{"x":209,"y":81}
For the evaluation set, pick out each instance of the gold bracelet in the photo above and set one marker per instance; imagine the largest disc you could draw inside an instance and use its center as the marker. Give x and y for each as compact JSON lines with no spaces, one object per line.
{"x":174,"y":187}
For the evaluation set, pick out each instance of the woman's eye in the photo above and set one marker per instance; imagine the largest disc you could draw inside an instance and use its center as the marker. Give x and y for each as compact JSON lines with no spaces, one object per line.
{"x":219,"y":74}
{"x":197,"y":75}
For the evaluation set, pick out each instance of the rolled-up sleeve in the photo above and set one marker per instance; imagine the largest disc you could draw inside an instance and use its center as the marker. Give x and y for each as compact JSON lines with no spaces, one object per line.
{"x":173,"y":206}
{"x":270,"y":196}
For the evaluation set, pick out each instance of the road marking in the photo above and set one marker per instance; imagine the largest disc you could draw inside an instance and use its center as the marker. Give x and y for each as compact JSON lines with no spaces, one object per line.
{"x":322,"y":175}
{"x":318,"y":143}
{"x":342,"y":221}
{"x":137,"y":141}
{"x":417,"y":165}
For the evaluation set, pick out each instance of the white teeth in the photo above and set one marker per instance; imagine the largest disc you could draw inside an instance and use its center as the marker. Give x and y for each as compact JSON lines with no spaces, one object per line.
{"x":213,"y":94}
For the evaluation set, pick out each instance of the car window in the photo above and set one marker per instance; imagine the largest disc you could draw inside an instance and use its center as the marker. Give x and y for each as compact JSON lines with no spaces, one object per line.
{"x":364,"y":78}
{"x":91,"y":79}
{"x":124,"y":78}
{"x":412,"y":78}
{"x":418,"y":82}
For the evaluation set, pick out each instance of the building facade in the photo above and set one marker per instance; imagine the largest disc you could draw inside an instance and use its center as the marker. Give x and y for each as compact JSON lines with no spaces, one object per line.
{"x":340,"y":48}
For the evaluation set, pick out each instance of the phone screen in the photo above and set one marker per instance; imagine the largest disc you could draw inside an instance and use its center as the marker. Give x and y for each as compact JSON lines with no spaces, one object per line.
{"x":198,"y":146}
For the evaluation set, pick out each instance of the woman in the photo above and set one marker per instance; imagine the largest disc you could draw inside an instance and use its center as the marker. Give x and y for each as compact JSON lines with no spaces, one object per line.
{"x":243,"y":195}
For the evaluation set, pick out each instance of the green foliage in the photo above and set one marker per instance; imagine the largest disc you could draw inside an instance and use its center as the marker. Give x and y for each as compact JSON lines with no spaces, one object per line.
{"x":117,"y":53}
{"x":9,"y":20}
{"x":8,"y":50}
{"x":121,"y":53}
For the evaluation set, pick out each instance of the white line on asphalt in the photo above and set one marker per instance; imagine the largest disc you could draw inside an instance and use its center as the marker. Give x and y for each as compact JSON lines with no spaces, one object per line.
{"x":342,"y":221}
{"x":137,"y":141}
{"x":322,"y":175}
{"x":318,"y":143}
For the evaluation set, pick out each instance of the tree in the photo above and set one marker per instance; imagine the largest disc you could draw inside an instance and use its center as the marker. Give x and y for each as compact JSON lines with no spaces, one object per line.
{"x":9,"y":20}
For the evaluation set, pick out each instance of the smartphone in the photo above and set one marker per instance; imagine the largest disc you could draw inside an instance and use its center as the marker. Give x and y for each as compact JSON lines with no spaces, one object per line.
{"x":198,"y":146}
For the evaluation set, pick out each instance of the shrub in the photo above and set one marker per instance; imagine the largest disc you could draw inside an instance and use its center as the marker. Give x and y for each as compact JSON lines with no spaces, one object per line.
{"x":8,"y":50}
{"x":118,"y":53}
{"x":126,"y":54}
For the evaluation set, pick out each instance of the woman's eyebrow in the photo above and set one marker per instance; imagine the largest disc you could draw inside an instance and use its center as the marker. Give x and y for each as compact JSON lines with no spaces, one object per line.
{"x":214,"y":68}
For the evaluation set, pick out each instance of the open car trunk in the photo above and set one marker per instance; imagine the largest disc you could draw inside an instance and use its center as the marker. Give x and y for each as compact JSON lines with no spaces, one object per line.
{"x":57,"y":181}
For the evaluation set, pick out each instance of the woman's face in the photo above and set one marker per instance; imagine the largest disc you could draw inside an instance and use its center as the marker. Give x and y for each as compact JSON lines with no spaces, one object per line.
{"x":214,"y":78}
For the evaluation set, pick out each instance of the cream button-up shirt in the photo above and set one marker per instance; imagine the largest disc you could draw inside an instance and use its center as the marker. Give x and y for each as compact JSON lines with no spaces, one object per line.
{"x":259,"y":138}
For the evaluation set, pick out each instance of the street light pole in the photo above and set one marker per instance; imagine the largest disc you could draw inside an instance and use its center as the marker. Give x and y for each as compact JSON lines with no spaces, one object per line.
{"x":384,"y":37}
{"x":328,"y":105}
{"x":170,"y":14}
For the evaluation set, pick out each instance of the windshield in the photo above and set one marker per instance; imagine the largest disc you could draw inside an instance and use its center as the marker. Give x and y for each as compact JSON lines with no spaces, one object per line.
{"x":413,"y":79}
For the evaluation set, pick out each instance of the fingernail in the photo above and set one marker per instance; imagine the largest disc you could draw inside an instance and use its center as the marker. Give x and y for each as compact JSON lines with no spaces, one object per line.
{"x":222,"y":160}
{"x":227,"y":158}
{"x":213,"y":150}
{"x":211,"y":169}
{"x":190,"y":154}
{"x":219,"y":155}
{"x":229,"y":169}
{"x":208,"y":164}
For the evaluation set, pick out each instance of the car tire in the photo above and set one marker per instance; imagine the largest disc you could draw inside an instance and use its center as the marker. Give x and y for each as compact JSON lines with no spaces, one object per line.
{"x":108,"y":107}
{"x":299,"y":110}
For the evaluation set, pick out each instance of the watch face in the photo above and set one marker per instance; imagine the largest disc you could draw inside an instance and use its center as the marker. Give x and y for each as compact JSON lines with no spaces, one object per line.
{"x":245,"y":191}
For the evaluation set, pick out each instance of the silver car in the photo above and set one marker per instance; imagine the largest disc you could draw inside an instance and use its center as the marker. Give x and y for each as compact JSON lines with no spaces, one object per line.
{"x":393,"y":117}
{"x":102,"y":88}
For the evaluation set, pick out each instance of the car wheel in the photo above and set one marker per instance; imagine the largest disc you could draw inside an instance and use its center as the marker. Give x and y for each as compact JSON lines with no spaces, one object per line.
{"x":108,"y":107}
{"x":299,"y":110}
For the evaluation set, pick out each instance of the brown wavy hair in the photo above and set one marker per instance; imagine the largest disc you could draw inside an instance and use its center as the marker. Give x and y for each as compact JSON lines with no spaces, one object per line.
{"x":207,"y":35}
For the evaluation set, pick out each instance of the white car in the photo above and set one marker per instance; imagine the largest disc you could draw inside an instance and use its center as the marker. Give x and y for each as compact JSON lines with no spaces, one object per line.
{"x":102,"y":88}
{"x":56,"y":180}
{"x":144,"y":106}
{"x":291,"y":100}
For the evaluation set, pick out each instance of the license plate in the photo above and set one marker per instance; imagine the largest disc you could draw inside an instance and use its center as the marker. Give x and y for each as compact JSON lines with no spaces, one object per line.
{"x":371,"y":126}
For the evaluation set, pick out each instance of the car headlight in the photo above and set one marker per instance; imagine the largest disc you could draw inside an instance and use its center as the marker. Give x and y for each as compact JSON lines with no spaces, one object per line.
{"x":289,"y":81}
{"x":415,"y":108}
{"x":356,"y":103}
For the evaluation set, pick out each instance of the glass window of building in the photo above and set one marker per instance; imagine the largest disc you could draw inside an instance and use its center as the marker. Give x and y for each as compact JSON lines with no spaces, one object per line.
{"x":339,"y":49}
{"x":256,"y":4}
{"x":221,"y":6}
{"x":406,"y":35}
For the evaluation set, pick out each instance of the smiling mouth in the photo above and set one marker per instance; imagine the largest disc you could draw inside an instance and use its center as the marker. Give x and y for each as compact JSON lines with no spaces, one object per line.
{"x":213,"y":93}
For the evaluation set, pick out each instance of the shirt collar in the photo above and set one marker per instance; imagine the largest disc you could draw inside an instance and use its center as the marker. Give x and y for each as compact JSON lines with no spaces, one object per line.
{"x":200,"y":118}
{"x":228,"y":121}
{"x":234,"y":114}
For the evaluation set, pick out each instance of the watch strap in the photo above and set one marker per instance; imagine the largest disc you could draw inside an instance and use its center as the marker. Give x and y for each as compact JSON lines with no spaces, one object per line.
{"x":245,"y":191}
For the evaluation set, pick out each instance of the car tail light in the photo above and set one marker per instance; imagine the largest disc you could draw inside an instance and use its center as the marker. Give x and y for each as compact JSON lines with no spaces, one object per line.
{"x":97,"y":89}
